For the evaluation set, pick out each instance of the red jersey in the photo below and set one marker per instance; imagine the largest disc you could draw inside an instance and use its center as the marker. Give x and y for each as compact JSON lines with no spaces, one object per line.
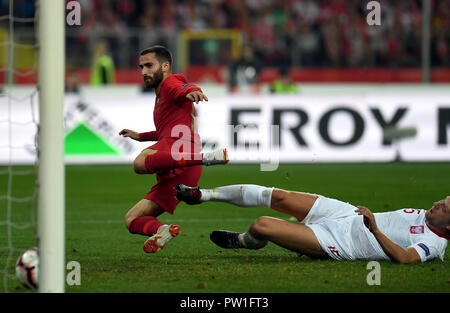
{"x":172,"y":108}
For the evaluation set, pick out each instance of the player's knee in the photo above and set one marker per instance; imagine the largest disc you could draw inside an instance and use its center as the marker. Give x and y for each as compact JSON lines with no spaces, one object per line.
{"x":128,"y":219}
{"x":139,"y":166}
{"x":261,"y":225}
{"x":142,"y":163}
{"x":127,"y":222}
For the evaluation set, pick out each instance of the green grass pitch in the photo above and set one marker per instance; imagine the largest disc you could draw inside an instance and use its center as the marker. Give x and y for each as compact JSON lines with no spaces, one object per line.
{"x":112,"y":260}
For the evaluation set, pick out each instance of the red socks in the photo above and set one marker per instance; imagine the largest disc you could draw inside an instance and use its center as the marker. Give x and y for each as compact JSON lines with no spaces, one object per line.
{"x":164,"y":160}
{"x":145,"y":225}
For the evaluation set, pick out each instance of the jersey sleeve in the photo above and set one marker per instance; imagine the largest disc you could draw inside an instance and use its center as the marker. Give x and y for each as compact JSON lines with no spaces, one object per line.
{"x":429,"y":249}
{"x":179,"y":90}
{"x":149,"y":136}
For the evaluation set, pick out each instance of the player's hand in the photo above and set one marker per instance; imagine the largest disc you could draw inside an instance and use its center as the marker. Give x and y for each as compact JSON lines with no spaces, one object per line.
{"x":129,"y":133}
{"x":369,"y":218}
{"x":196,"y":96}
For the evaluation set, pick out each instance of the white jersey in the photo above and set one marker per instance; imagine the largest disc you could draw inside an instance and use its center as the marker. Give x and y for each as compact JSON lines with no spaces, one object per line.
{"x":407,"y":228}
{"x":342,"y":234}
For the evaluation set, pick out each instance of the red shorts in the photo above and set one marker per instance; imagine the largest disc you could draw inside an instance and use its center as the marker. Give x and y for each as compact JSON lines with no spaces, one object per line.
{"x":163,"y":193}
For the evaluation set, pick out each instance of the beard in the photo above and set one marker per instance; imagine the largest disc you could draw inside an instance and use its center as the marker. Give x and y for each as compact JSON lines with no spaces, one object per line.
{"x":155,"y":81}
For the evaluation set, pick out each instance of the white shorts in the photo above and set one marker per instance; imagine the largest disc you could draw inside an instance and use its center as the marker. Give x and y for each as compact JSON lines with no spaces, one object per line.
{"x":331,"y":221}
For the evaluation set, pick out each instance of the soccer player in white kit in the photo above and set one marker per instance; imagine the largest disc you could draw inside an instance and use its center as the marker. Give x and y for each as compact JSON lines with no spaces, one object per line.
{"x":331,"y":228}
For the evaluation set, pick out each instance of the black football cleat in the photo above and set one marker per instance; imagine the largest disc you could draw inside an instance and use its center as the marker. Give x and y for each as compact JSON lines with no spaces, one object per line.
{"x":226,"y":239}
{"x":190,"y":195}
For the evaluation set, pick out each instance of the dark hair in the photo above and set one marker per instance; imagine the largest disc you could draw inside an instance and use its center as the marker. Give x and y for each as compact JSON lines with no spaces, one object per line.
{"x":161,"y":53}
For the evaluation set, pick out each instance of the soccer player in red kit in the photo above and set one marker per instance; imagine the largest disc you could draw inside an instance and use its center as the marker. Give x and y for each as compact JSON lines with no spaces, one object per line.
{"x":176,"y":158}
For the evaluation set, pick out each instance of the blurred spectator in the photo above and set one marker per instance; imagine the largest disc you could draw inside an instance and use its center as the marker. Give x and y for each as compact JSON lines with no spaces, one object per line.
{"x":283,"y":84}
{"x":441,"y":36}
{"x":244,"y":73}
{"x":307,"y":47}
{"x":151,"y":33}
{"x":72,"y":81}
{"x":102,"y":72}
{"x":261,"y":34}
{"x":332,"y":37}
{"x":442,"y":50}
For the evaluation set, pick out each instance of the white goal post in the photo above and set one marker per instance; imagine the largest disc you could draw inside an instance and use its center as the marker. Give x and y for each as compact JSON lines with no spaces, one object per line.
{"x":51,"y":216}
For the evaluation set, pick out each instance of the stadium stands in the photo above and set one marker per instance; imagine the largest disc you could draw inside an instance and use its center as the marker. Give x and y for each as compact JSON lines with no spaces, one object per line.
{"x":290,"y":33}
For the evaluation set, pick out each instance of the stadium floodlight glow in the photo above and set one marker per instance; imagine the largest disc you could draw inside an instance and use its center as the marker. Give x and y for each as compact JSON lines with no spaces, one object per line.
{"x":51,"y":223}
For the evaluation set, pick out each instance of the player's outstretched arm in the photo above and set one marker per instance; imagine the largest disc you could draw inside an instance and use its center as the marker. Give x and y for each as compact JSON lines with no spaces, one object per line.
{"x":196,"y":96}
{"x":147,"y":136}
{"x":130,"y":133}
{"x":393,"y":250}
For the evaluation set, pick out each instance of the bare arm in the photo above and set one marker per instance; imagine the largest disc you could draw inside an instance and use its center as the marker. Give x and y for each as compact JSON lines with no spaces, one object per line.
{"x":393,"y":250}
{"x":147,"y":136}
{"x":130,"y":133}
{"x":196,"y":96}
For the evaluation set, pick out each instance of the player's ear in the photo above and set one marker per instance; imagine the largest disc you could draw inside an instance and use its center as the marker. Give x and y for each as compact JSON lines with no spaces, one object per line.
{"x":166,"y":66}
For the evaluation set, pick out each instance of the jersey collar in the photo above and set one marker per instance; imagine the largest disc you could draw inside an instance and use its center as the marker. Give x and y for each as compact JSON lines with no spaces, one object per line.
{"x":437,"y":233}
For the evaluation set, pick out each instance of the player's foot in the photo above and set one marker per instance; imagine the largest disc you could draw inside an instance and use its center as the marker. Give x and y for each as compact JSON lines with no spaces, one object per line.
{"x":190,"y":195}
{"x":160,"y":239}
{"x":215,"y":157}
{"x":226,"y":239}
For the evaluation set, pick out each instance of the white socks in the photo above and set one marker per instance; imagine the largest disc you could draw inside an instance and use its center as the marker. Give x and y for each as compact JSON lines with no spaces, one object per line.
{"x":243,"y":196}
{"x":240,"y":195}
{"x":249,"y":242}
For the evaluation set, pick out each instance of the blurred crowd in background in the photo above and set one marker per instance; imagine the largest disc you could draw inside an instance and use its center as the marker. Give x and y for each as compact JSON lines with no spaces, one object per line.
{"x":300,"y":33}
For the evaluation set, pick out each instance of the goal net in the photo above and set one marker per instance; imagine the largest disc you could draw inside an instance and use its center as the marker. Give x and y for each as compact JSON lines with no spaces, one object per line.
{"x":31,"y":143}
{"x":18,"y":149}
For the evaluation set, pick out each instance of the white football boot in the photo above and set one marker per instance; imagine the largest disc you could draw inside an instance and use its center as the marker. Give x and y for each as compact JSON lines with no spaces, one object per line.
{"x":215,"y":157}
{"x":161,"y":238}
